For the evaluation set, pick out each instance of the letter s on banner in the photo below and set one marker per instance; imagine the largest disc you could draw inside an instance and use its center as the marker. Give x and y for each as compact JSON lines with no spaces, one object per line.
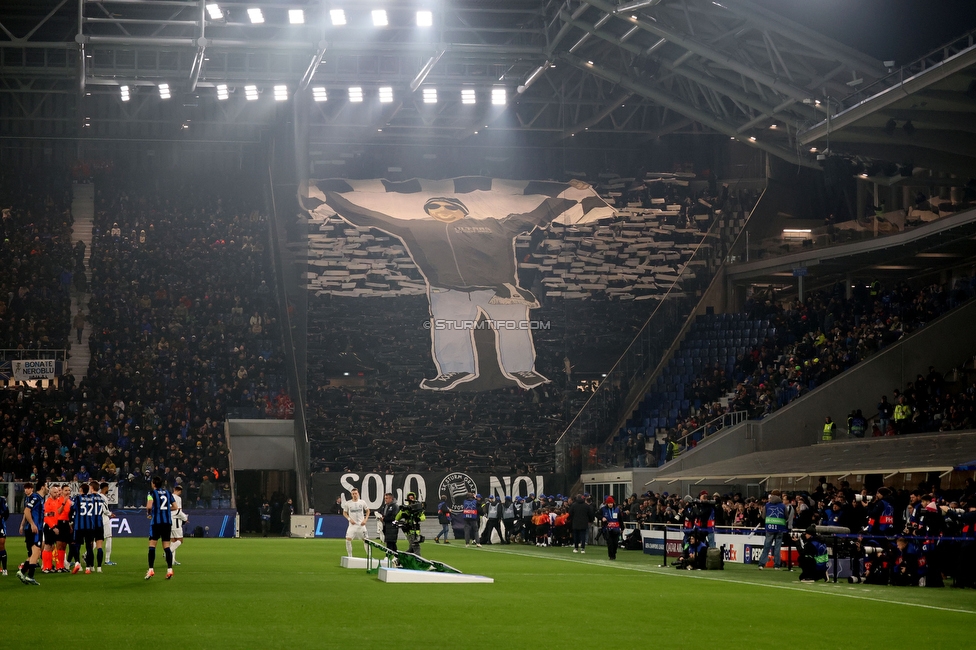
{"x":348,"y":483}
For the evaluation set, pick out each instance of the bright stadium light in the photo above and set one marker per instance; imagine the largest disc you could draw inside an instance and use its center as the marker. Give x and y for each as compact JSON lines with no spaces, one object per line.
{"x":425,"y":18}
{"x":468,"y":96}
{"x":379,"y":18}
{"x":281,"y":93}
{"x":319,"y":94}
{"x":254,"y":13}
{"x":338,"y":17}
{"x":355,"y":94}
{"x":251,"y":92}
{"x":430,"y":95}
{"x":386,"y":95}
{"x":164,"y":91}
{"x":125,"y":93}
{"x":214,"y":11}
{"x":222,"y":93}
{"x":296,"y":16}
{"x":498,"y":96}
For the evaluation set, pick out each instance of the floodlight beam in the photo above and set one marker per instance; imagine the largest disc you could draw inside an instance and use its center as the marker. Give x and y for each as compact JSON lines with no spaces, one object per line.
{"x":426,"y":70}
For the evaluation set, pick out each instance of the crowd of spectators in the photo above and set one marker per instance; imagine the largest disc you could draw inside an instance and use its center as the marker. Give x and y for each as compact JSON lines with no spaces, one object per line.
{"x":183,"y":329}
{"x":925,"y":537}
{"x":807,"y":343}
{"x":38,"y":261}
{"x":933,"y":402}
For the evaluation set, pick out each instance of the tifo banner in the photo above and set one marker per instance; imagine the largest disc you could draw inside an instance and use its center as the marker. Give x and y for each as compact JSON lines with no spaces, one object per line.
{"x":26,"y":369}
{"x":128,"y":523}
{"x":428,"y":486}
{"x":460,"y":234}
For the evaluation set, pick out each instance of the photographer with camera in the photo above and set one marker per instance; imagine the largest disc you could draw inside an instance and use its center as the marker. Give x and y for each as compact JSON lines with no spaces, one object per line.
{"x":813,"y":557}
{"x":408,"y":518}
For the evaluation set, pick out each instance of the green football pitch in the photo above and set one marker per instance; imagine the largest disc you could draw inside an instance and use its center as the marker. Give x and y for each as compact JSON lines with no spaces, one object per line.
{"x":291,"y":593}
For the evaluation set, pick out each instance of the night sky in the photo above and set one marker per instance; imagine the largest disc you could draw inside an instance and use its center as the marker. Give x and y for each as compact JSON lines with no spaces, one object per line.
{"x":903,"y":30}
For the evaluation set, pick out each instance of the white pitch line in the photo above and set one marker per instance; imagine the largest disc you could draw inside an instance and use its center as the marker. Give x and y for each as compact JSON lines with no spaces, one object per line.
{"x":698,"y":576}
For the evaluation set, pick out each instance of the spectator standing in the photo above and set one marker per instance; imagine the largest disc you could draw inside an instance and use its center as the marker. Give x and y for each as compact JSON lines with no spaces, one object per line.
{"x":206,"y":491}
{"x":885,"y":412}
{"x":775,"y":527}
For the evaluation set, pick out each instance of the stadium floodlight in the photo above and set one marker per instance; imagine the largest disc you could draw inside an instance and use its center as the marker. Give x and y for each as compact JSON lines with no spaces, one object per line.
{"x":214,"y":11}
{"x":319,"y":94}
{"x":222,"y":93}
{"x":533,"y":76}
{"x":430,"y":95}
{"x":251,"y":92}
{"x":338,"y":17}
{"x":468,"y":96}
{"x":296,"y":16}
{"x":386,"y":94}
{"x":355,"y":94}
{"x":379,"y":18}
{"x":163,"y":91}
{"x":499,"y":96}
{"x":425,"y":18}
{"x":637,"y":4}
{"x":125,"y":93}
{"x":281,"y":93}
{"x":256,"y":16}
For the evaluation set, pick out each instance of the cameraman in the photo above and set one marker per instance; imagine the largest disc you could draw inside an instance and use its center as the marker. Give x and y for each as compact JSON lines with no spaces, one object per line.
{"x":408,"y":518}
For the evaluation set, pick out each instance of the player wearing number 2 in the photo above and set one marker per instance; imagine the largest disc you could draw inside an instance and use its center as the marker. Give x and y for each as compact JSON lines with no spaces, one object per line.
{"x":159,"y":509}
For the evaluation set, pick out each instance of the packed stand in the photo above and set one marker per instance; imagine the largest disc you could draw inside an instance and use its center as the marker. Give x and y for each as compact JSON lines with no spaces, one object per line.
{"x":183,"y":333}
{"x":183,"y":330}
{"x":39,"y":263}
{"x":761,"y":359}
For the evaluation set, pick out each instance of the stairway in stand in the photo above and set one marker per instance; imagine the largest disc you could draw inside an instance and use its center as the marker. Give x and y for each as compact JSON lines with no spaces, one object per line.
{"x":83,"y":212}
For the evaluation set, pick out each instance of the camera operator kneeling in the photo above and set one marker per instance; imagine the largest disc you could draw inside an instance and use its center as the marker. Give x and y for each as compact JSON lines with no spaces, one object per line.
{"x":813,"y":557}
{"x":694,"y":554}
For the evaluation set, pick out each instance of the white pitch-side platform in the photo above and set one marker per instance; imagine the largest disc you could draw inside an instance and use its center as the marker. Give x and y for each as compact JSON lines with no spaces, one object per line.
{"x":347,"y":562}
{"x":407,"y":575}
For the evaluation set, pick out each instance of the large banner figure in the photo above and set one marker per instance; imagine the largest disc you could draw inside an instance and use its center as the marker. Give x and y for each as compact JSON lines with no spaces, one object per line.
{"x":461,"y":235}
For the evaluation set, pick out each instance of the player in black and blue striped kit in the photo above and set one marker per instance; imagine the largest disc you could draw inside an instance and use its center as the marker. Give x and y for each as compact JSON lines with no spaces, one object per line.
{"x":159,"y":507}
{"x":85,"y":522}
{"x":31,"y":527}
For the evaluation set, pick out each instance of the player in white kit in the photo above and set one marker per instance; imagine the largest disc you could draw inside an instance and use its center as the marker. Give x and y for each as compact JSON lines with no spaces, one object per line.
{"x":107,"y":518}
{"x":356,"y":513}
{"x":176,"y":535}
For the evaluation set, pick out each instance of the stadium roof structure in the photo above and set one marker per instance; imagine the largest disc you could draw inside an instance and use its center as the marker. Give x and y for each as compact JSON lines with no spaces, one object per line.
{"x":931,"y":452}
{"x":608,"y":72}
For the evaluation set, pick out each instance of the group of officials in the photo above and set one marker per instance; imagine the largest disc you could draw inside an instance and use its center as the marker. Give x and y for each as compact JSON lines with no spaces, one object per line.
{"x":56,"y":525}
